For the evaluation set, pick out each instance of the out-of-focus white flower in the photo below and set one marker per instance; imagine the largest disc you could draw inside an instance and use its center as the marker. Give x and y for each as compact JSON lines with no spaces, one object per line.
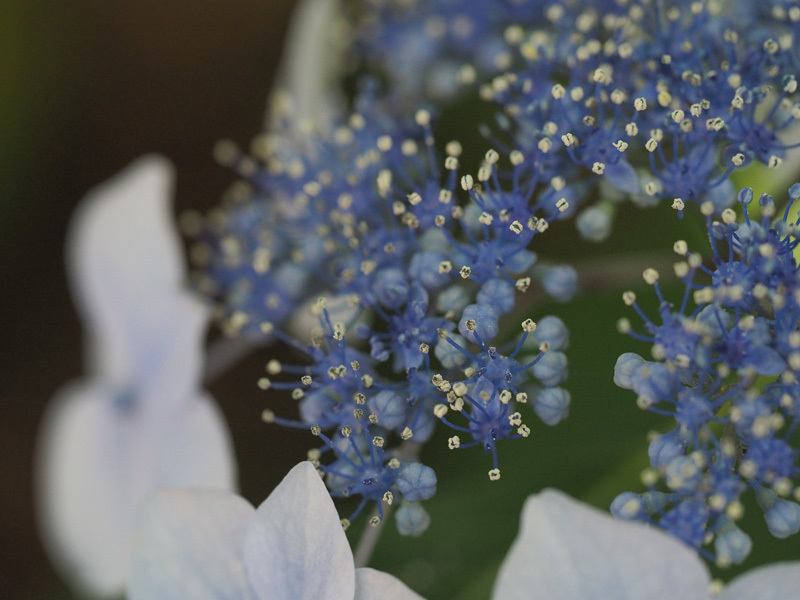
{"x":307,"y":94}
{"x":139,"y":421}
{"x":209,"y":545}
{"x":567,"y":550}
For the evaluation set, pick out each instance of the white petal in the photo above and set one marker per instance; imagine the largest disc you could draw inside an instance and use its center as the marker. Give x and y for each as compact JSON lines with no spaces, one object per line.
{"x":377,"y":585}
{"x":97,"y":461}
{"x":167,"y":351}
{"x":304,"y":320}
{"x":779,"y":581}
{"x":295,"y":547}
{"x":122,"y":248}
{"x":567,"y":550}
{"x":188,"y":544}
{"x":307,"y":82}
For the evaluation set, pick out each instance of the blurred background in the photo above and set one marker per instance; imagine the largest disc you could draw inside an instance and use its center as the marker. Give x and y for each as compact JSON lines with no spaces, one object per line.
{"x":87,"y":86}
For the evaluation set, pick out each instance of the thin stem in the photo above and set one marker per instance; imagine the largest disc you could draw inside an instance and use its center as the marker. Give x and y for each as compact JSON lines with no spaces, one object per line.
{"x":369,"y":539}
{"x":225,"y":352}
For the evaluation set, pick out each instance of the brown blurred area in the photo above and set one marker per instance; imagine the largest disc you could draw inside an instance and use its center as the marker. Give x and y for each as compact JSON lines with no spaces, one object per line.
{"x":86,"y":86}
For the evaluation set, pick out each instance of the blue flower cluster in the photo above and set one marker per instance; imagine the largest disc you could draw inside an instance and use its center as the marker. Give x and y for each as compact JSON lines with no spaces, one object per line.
{"x":415,"y":266}
{"x":419,"y":266}
{"x":339,"y":392}
{"x":427,"y":49}
{"x":656,"y":99}
{"x":727,"y":372}
{"x":692,"y":92}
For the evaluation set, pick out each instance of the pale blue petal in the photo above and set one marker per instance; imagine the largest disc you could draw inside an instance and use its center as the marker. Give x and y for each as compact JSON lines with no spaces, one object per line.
{"x":126,"y":266}
{"x":189,"y":544}
{"x":622,"y":176}
{"x":306,"y":81}
{"x":155,"y":350}
{"x":377,"y":585}
{"x":122,"y":248}
{"x":168,"y":355}
{"x":296,"y":547}
{"x":721,"y":196}
{"x":97,"y":460}
{"x":766,"y":361}
{"x":303,"y":320}
{"x":567,"y":550}
{"x":779,"y":581}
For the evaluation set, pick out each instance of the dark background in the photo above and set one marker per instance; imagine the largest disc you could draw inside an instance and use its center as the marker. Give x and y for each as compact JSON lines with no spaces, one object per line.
{"x":86,"y":86}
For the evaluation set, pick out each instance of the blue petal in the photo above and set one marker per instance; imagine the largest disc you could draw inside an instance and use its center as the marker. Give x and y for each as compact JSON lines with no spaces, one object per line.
{"x":766,"y":361}
{"x":622,"y":176}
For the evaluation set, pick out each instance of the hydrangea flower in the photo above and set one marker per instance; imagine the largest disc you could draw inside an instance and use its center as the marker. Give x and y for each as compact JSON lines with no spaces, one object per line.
{"x":657,"y":100}
{"x":726,"y":371}
{"x":636,"y":98}
{"x":139,"y":420}
{"x":370,"y":221}
{"x":212,"y":545}
{"x":567,"y":550}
